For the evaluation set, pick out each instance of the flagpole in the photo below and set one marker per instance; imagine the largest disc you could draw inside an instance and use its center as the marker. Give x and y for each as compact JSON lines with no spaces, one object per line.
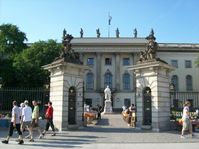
{"x":108,"y":31}
{"x":108,"y":24}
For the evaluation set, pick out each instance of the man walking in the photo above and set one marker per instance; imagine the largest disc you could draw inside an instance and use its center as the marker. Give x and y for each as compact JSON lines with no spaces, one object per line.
{"x":15,"y":123}
{"x":49,"y":119}
{"x":26,"y":119}
{"x":35,"y":118}
{"x":99,"y":111}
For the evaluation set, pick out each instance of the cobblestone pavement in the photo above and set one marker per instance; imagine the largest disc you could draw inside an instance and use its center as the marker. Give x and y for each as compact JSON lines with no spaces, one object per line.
{"x":109,"y":132}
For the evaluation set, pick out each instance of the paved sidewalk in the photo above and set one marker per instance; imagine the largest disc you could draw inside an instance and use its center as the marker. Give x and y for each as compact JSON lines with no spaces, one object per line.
{"x":110,"y":132}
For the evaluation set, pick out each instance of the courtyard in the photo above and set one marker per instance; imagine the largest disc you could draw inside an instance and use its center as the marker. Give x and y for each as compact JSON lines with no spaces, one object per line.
{"x":109,"y":132}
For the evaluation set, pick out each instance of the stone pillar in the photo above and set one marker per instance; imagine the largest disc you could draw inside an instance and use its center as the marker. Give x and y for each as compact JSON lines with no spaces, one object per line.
{"x":63,"y":76}
{"x":98,"y":71}
{"x":117,"y":71}
{"x":154,"y":75}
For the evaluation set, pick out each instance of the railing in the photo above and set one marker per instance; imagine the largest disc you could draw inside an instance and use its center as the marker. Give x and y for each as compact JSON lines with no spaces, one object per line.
{"x":178,"y":98}
{"x":7,"y":95}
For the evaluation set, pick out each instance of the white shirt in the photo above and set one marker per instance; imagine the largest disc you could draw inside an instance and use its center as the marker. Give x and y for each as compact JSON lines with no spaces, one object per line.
{"x":20,"y":109}
{"x":27,"y":114}
{"x":185,"y":114}
{"x":16,"y":111}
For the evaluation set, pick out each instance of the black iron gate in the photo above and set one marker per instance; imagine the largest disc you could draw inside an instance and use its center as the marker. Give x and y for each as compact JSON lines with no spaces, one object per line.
{"x":178,"y":98}
{"x":7,"y":95}
{"x":147,"y":116}
{"x":72,"y":106}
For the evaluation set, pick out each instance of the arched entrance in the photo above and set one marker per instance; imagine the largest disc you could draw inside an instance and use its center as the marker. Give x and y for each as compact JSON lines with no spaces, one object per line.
{"x":72,"y":106}
{"x":147,"y":116}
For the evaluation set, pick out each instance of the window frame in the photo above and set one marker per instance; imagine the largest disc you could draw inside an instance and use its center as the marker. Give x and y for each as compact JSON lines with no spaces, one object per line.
{"x":90,"y":63}
{"x":188,"y":65}
{"x":126,"y":59}
{"x":108,"y":61}
{"x":174,"y":63}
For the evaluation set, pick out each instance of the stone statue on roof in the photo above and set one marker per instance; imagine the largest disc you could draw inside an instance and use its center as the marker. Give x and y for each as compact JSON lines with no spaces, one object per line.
{"x":117,"y":33}
{"x":98,"y":33}
{"x":67,"y":53}
{"x":135,"y":33}
{"x":81,"y":33}
{"x":150,"y":53}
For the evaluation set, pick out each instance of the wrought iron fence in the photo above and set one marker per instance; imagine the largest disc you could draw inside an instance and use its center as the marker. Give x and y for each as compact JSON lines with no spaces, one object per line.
{"x":178,"y":98}
{"x":7,"y":95}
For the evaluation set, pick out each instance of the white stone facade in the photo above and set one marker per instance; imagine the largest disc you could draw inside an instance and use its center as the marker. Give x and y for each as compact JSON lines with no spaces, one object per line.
{"x":119,"y":48}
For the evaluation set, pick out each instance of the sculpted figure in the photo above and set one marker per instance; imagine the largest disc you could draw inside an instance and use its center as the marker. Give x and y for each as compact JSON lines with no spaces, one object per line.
{"x":98,"y":33}
{"x":107,"y":93}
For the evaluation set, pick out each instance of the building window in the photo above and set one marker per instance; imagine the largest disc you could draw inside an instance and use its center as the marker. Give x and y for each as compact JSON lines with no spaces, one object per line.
{"x":174,"y":80}
{"x":127,"y":102}
{"x":126,"y":61}
{"x":107,"y":61}
{"x":90,"y":61}
{"x":88,"y":101}
{"x":189,"y":83}
{"x":89,"y":81}
{"x":188,"y":64}
{"x":174,"y":63}
{"x":126,"y":81}
{"x":108,"y":80}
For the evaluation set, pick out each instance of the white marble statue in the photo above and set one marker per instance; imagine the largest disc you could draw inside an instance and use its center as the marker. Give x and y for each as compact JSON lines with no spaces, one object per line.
{"x":107,"y":93}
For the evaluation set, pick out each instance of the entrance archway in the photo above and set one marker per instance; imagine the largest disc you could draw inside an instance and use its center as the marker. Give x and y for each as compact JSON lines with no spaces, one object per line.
{"x":147,"y":116}
{"x":72,"y":106}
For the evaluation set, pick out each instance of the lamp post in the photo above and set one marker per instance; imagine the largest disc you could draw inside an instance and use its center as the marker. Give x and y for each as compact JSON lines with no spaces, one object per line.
{"x":172,"y":89}
{"x":1,"y":82}
{"x":1,"y":92}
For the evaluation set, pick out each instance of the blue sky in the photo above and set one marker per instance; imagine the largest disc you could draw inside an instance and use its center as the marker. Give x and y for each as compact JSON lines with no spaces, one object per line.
{"x":173,"y":21}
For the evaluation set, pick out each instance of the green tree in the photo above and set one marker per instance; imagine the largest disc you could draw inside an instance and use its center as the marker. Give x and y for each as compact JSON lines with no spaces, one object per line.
{"x":11,"y":43}
{"x":27,"y":64}
{"x":197,"y":62}
{"x":11,"y":40}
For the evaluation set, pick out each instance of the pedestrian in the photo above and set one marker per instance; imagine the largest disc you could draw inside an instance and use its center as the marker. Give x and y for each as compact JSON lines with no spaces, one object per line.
{"x":49,"y":119}
{"x":35,"y":119}
{"x":26,"y":119}
{"x":99,"y":111}
{"x":15,"y":123}
{"x":186,"y":122}
{"x":22,"y":105}
{"x":131,"y":109}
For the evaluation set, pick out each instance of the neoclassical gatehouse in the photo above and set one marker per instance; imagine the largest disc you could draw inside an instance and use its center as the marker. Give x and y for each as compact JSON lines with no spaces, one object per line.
{"x":108,"y":59}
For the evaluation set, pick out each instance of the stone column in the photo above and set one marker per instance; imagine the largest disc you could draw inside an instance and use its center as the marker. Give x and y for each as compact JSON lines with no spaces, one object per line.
{"x":117,"y":71}
{"x":63,"y":77}
{"x":154,"y":75}
{"x":98,"y":71}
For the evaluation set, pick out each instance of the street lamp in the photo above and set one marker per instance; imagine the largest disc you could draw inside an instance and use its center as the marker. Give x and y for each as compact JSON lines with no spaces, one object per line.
{"x":1,"y":92}
{"x":1,"y":82}
{"x":172,"y":87}
{"x":172,"y":95}
{"x":46,"y":86}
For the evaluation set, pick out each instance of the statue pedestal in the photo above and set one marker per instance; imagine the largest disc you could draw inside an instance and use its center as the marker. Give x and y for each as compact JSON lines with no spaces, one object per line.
{"x":108,"y":107}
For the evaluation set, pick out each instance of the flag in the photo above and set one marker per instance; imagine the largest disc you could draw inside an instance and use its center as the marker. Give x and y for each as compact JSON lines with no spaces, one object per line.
{"x":109,"y":20}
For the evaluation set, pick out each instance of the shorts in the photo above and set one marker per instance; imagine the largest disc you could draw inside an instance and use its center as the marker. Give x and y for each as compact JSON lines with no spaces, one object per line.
{"x":25,"y":124}
{"x":34,"y":124}
{"x":186,"y":125}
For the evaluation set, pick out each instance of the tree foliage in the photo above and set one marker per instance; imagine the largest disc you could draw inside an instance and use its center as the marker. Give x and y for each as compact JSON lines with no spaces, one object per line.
{"x":28,"y":64}
{"x":20,"y":65}
{"x":11,"y":40}
{"x":11,"y":43}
